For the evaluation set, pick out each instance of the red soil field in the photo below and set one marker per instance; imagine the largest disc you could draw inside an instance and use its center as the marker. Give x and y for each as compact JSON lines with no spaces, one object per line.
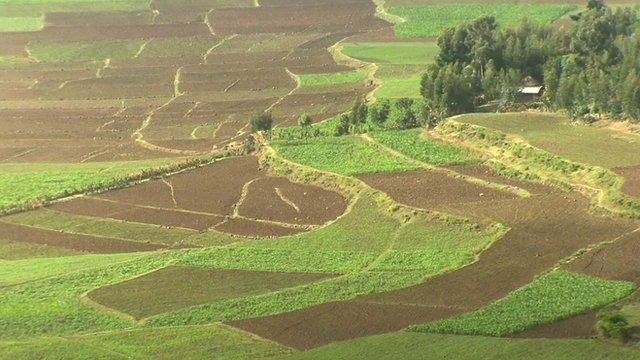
{"x":544,"y":229}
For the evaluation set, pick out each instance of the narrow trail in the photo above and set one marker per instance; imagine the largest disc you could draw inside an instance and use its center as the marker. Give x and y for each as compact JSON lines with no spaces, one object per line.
{"x":172,"y":190}
{"x":296,"y":79}
{"x":287,"y":200}
{"x":214,"y":47}
{"x":141,"y":49}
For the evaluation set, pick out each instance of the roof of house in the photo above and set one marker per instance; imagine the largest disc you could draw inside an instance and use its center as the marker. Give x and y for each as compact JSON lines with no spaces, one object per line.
{"x":530,"y":90}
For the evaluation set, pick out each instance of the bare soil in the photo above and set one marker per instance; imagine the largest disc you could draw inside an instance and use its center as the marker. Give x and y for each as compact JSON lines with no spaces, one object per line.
{"x":76,"y":242}
{"x":544,"y":229}
{"x":176,"y":287}
{"x":207,"y":198}
{"x":631,"y":177}
{"x":278,"y":199}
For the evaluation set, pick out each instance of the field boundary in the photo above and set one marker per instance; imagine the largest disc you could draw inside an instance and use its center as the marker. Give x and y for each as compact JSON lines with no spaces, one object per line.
{"x":448,"y":172}
{"x":515,"y":156}
{"x":121,"y":182}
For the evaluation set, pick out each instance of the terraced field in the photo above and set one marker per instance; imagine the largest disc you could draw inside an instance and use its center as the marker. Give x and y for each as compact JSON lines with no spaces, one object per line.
{"x":140,"y":217}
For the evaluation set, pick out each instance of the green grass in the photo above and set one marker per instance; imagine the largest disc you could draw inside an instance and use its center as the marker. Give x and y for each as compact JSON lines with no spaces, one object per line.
{"x":14,"y":250}
{"x":366,"y":228}
{"x":192,"y":342}
{"x":431,"y":20}
{"x":432,"y":247}
{"x":17,"y":8}
{"x":85,"y":50}
{"x":177,"y":287}
{"x":400,"y":64}
{"x":553,"y":296}
{"x":407,"y":345}
{"x":399,"y":53}
{"x":556,"y":134}
{"x":19,"y":271}
{"x":411,"y":143}
{"x":24,"y":183}
{"x":11,"y":24}
{"x":196,"y":46}
{"x":79,"y":224}
{"x":344,"y":77}
{"x":347,"y":155}
{"x":352,"y":246}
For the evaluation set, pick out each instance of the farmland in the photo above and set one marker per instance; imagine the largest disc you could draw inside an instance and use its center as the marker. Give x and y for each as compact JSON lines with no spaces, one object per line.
{"x":242,"y":179}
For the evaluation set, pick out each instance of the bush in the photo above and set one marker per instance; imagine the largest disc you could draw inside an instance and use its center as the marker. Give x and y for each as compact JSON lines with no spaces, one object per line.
{"x":612,"y":325}
{"x":261,"y":122}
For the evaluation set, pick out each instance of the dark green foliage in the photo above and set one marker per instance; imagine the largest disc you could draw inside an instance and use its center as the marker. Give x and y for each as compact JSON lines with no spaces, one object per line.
{"x":261,"y":122}
{"x":305,"y":122}
{"x":358,"y":116}
{"x":379,"y":113}
{"x":342,"y":128}
{"x":408,"y":118}
{"x":612,"y":325}
{"x":590,"y":68}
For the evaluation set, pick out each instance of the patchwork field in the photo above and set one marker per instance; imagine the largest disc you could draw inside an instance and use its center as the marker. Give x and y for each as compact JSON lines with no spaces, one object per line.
{"x":149,"y":209}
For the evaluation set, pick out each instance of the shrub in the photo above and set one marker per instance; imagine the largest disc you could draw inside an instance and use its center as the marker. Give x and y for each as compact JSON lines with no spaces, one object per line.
{"x":261,"y":122}
{"x":612,"y":325}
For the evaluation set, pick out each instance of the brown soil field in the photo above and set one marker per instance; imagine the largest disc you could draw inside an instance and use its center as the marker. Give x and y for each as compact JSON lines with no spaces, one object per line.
{"x":617,"y":261}
{"x":98,"y":19}
{"x":146,"y":215}
{"x":278,"y":199}
{"x":545,"y":228}
{"x":76,"y":242}
{"x":338,"y":321}
{"x":581,"y":326}
{"x":210,"y":197}
{"x":427,"y":189}
{"x":244,"y":75}
{"x":177,"y":287}
{"x":328,"y":17}
{"x":631,"y":177}
{"x":486,"y":173}
{"x":255,"y":229}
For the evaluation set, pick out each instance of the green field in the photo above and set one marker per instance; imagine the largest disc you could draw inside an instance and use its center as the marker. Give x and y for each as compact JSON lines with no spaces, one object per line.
{"x":411,"y":143}
{"x":400,"y":64}
{"x":20,"y":271}
{"x":345,"y":77}
{"x":13,"y":250}
{"x":35,"y":182}
{"x":407,"y":345}
{"x":554,"y":296}
{"x":177,"y":287}
{"x":196,"y":46}
{"x":556,"y":134}
{"x":9,"y":24}
{"x":344,"y":155}
{"x":85,"y":51}
{"x":430,"y":20}
{"x":17,"y":8}
{"x":191,"y":342}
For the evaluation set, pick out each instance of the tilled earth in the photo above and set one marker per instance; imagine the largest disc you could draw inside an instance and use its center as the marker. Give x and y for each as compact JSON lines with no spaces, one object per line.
{"x":545,"y":228}
{"x":232,"y":195}
{"x":177,"y":103}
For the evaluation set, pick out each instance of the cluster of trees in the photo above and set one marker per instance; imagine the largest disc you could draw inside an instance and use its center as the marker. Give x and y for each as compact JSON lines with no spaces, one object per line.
{"x":385,"y":114}
{"x":589,"y":67}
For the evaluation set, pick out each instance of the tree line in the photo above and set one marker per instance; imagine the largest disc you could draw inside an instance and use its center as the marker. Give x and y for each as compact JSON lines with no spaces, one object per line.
{"x":590,"y":67}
